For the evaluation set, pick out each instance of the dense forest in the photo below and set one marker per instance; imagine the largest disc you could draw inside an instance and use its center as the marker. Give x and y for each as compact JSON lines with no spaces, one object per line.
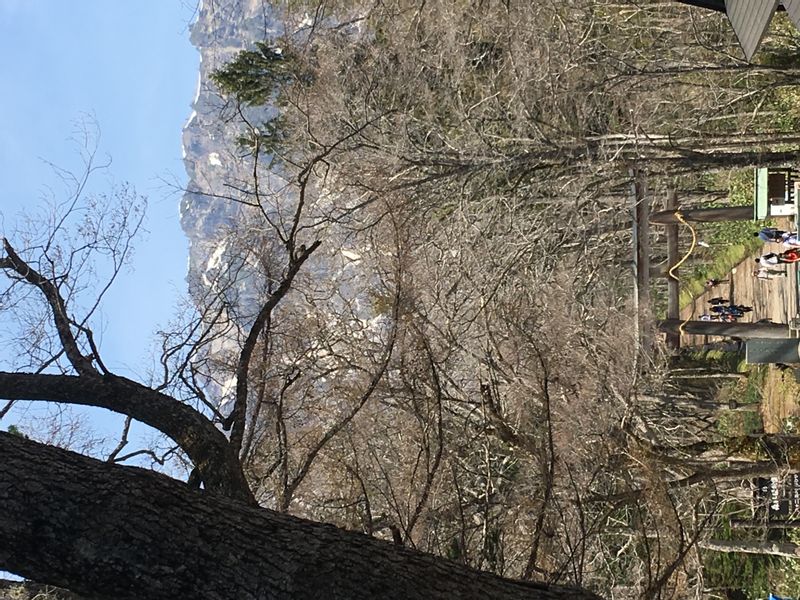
{"x":429,"y":334}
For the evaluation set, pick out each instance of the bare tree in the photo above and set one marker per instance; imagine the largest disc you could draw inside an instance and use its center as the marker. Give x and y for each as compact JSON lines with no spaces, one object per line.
{"x":103,"y":530}
{"x":435,"y":346}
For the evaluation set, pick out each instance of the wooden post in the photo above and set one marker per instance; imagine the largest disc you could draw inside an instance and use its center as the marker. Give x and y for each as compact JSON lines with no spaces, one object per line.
{"x":739,"y":330}
{"x":673,"y":285}
{"x":641,"y":255}
{"x":705,"y":215}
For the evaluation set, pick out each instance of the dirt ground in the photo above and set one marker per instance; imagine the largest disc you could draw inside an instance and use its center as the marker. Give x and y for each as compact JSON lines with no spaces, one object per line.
{"x":774,"y":299}
{"x":779,"y":404}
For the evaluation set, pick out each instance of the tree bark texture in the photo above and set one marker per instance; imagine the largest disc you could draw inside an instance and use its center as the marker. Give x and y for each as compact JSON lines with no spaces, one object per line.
{"x":109,"y":531}
{"x":206,"y":446}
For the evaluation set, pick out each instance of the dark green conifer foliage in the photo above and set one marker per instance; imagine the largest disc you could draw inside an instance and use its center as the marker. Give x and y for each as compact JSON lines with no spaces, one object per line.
{"x":254,"y":75}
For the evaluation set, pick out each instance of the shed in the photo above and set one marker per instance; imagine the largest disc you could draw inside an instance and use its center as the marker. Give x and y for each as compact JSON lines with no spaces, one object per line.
{"x":776,"y":192}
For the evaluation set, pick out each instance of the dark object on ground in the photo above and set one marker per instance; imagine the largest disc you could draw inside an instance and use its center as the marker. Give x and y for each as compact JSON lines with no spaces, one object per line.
{"x":715,"y":282}
{"x":734,"y":310}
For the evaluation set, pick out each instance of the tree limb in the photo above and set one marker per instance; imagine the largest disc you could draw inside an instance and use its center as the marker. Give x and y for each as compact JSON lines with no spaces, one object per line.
{"x":203,"y":443}
{"x":82,"y":364}
{"x":109,"y":531}
{"x":236,"y":420}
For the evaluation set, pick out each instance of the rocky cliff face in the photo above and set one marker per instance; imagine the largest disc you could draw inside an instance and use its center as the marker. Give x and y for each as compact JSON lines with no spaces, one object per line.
{"x":239,"y":253}
{"x":212,"y":159}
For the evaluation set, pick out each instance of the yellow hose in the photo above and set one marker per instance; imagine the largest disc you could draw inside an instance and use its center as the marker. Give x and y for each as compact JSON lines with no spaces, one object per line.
{"x":680,"y":218}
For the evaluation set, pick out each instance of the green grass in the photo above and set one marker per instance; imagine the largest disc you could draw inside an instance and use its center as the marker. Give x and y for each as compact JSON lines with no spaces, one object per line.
{"x":722,"y":360}
{"x":719,"y":268}
{"x":749,"y":392}
{"x":737,"y":571}
{"x":756,"y":575}
{"x":756,"y":380}
{"x":731,"y":241}
{"x":739,"y":423}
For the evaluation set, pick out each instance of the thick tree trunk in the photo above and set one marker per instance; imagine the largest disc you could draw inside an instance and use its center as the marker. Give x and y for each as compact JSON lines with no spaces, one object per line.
{"x":693,"y":215}
{"x":109,"y":531}
{"x":740,"y":330}
{"x":205,"y":445}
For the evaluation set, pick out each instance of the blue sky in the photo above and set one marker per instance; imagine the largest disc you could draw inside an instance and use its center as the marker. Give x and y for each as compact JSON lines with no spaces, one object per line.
{"x":131,"y":66}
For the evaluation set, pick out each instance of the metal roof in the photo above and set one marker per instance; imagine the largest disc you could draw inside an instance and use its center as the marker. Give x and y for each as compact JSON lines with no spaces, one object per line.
{"x":750,"y":18}
{"x":793,"y":10}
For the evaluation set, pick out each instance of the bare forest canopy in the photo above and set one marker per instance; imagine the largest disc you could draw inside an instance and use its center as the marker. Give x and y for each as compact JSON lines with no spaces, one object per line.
{"x":422,"y":330}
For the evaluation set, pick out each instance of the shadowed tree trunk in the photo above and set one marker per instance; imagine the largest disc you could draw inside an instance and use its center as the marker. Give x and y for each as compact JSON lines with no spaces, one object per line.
{"x":107,"y":531}
{"x":740,"y":330}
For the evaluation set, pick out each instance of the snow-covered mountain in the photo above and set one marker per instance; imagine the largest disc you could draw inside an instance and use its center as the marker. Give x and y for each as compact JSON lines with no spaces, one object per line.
{"x":221,"y":30}
{"x":239,"y":255}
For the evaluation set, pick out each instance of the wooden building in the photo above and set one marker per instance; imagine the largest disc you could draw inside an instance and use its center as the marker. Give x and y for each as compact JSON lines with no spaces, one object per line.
{"x":776,"y":192}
